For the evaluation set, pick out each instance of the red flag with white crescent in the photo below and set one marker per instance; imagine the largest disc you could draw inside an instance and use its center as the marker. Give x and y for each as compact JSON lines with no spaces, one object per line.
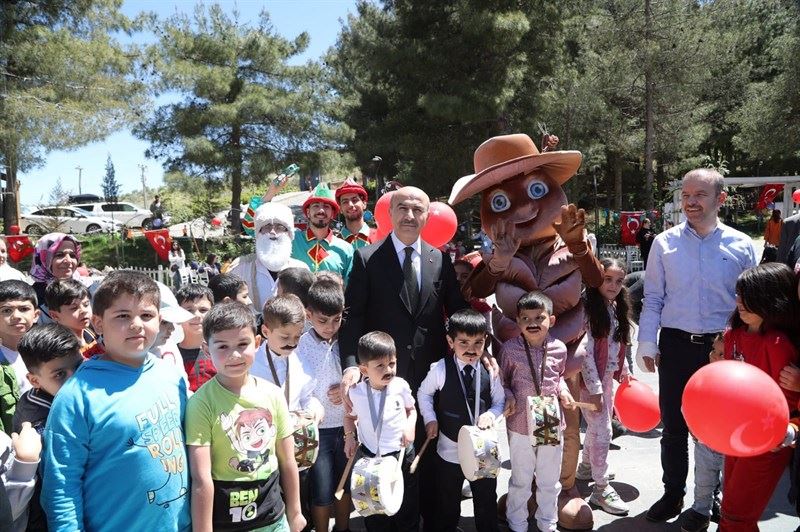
{"x":768,"y":195}
{"x":161,"y":242}
{"x":19,"y":247}
{"x":631,"y":221}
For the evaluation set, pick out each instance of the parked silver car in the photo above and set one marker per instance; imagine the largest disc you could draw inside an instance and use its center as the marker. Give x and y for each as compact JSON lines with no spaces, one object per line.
{"x":122,"y":211}
{"x":65,"y":220}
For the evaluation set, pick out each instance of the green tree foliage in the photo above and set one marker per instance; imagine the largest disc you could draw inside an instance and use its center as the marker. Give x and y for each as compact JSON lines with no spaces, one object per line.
{"x":58,"y":194}
{"x":423,"y":83}
{"x":64,"y":79}
{"x":110,"y":185}
{"x":243,"y":109}
{"x":646,"y":89}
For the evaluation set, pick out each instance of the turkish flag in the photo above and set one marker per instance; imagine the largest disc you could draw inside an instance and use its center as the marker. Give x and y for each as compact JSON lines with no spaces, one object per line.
{"x":631,"y":221}
{"x":19,"y":247}
{"x":768,"y":195}
{"x":161,"y":242}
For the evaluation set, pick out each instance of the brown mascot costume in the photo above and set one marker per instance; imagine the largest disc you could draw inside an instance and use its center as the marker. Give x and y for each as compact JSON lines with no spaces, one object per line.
{"x":539,"y":244}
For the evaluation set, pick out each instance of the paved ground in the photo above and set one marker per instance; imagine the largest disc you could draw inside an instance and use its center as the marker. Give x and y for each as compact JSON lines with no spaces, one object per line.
{"x":635,"y":460}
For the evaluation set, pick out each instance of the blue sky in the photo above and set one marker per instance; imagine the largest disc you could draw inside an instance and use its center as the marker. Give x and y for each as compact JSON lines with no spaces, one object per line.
{"x":320,"y":18}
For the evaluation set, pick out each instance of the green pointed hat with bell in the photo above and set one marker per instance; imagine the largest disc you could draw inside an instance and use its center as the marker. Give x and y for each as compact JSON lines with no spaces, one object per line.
{"x":322,"y":194}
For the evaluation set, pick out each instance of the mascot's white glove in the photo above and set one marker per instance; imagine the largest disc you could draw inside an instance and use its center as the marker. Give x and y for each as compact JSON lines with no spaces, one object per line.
{"x":646,"y":350}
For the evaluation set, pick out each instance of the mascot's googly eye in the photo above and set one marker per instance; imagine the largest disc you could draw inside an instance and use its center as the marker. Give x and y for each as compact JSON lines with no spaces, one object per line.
{"x":500,"y":202}
{"x":537,"y":189}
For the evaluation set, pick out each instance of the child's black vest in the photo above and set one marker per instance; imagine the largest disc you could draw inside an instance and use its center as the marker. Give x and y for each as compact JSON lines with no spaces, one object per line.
{"x":451,"y":406}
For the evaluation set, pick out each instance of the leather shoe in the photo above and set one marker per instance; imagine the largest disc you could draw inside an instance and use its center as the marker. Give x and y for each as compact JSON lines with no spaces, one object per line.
{"x":664,"y":508}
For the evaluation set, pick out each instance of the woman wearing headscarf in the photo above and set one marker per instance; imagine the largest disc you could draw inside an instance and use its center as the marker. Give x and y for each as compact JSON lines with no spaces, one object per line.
{"x":56,"y":257}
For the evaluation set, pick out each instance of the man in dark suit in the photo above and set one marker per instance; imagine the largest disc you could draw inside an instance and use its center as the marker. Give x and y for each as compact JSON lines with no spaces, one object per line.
{"x":378,"y":299}
{"x":789,"y":233}
{"x":406,"y":288}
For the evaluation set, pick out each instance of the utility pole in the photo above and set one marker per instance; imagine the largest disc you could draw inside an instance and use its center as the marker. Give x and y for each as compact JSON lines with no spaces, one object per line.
{"x":80,"y":171}
{"x":144,"y":184}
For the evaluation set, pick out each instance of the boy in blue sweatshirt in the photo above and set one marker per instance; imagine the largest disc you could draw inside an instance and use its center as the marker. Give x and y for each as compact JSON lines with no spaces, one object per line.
{"x":114,"y":444}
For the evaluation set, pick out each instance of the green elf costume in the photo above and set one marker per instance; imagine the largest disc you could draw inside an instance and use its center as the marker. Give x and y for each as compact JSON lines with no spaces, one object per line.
{"x":330,"y":253}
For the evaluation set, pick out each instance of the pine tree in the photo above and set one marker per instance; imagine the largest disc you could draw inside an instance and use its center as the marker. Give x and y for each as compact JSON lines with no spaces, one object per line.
{"x":58,"y":195}
{"x":110,"y":185}
{"x":244,"y":110}
{"x":424,"y":83}
{"x":64,"y":80}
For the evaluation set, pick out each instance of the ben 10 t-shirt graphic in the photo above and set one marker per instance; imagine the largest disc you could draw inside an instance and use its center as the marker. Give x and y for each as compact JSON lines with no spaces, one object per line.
{"x":242,"y":432}
{"x":252,"y":436}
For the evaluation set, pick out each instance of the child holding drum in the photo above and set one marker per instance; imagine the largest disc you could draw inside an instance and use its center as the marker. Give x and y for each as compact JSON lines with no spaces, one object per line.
{"x":241,"y":450}
{"x":609,"y":333}
{"x":532,"y":369}
{"x":469,"y":398}
{"x":384,"y":408}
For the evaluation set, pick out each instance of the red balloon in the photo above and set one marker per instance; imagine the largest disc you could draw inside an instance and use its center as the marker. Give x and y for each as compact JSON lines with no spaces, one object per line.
{"x":735,"y":408}
{"x":441,"y":225}
{"x":13,"y":230}
{"x":216,"y":222}
{"x":381,"y":233}
{"x":382,"y":216}
{"x":796,"y":196}
{"x":637,"y":406}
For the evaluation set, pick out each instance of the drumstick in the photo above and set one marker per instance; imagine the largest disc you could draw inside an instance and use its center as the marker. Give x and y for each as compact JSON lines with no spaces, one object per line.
{"x":415,"y":463}
{"x":340,"y":487}
{"x":588,"y":406}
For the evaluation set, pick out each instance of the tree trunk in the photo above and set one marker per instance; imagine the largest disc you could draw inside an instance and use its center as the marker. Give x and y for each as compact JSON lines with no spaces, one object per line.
{"x":661,"y":178}
{"x":649,"y":130}
{"x":236,"y":180}
{"x":9,"y":148}
{"x":617,"y":182}
{"x":10,"y":203}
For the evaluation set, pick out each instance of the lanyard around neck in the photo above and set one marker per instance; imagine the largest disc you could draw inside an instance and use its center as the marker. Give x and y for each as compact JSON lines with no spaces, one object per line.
{"x":275,"y":375}
{"x":377,"y":417}
{"x":533,"y":370}
{"x":472,"y":413}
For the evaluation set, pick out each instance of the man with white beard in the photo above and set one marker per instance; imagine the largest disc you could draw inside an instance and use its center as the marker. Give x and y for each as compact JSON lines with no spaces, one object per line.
{"x":274,"y":231}
{"x":317,"y":246}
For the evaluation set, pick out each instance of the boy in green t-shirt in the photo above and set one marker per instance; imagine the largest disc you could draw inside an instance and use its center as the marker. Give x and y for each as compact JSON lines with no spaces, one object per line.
{"x":241,"y":448}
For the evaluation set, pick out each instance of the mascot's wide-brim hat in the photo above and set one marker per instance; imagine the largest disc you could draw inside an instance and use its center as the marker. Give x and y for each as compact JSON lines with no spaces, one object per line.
{"x":322,"y":194}
{"x":351,"y":187}
{"x":501,"y":158}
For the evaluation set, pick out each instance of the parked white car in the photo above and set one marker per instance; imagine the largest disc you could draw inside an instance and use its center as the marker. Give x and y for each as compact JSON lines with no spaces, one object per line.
{"x":127,"y":213}
{"x":65,"y":220}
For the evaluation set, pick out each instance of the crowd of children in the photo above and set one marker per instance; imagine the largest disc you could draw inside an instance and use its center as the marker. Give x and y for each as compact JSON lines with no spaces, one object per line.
{"x":179,"y":411}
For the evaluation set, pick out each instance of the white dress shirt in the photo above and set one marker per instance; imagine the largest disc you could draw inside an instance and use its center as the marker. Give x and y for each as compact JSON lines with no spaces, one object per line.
{"x":416,"y":256}
{"x":434,"y":381}
{"x":320,"y":358}
{"x":301,"y":385}
{"x":395,"y":419}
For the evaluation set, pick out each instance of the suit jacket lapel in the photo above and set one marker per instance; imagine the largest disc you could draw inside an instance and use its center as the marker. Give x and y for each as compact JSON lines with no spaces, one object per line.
{"x":393,"y":270}
{"x":431,"y":264}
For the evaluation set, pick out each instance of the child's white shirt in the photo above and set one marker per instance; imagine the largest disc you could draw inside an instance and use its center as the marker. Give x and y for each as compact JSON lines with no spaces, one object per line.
{"x":434,"y":382}
{"x":395,"y":419}
{"x":20,"y":370}
{"x":19,"y":479}
{"x":320,"y":358}
{"x":301,"y":384}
